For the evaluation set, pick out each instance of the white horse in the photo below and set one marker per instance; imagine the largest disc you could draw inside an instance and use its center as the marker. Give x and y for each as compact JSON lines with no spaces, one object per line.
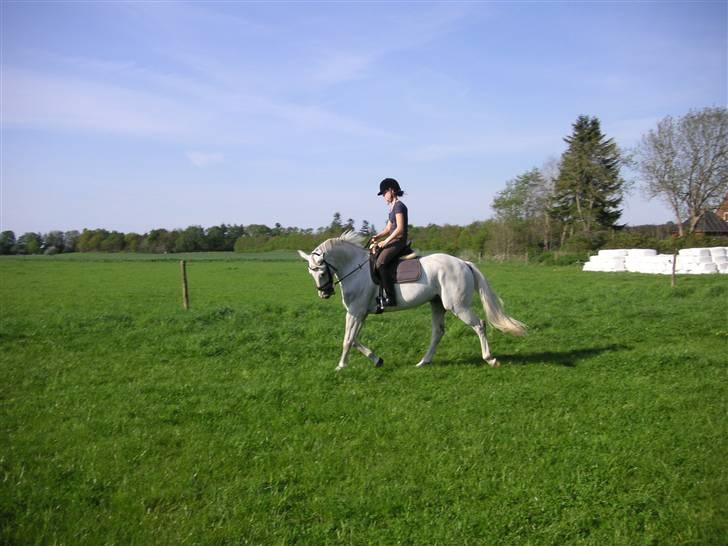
{"x":447,"y":283}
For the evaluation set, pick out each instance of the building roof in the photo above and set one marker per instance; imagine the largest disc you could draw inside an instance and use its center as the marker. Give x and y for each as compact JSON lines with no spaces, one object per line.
{"x":710,"y":222}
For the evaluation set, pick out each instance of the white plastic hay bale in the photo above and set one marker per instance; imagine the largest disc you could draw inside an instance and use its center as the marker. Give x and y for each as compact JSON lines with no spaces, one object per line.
{"x":614,"y":264}
{"x":661,"y":264}
{"x":599,"y":263}
{"x":642,"y":264}
{"x":639,"y":252}
{"x":649,"y":264}
{"x":707,"y":268}
{"x":610,"y":265}
{"x":694,"y":252}
{"x":689,"y":261}
{"x":612,"y":253}
{"x":685,"y":264}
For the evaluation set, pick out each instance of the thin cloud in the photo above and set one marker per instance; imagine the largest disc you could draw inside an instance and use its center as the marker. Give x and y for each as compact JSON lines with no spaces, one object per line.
{"x":35,"y":100}
{"x":205,"y":159}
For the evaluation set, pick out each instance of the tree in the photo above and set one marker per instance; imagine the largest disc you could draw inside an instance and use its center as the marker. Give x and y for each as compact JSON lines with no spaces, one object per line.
{"x":685,"y":163}
{"x":258,"y":230}
{"x":191,"y":239}
{"x":113,"y":242}
{"x":7,"y":242}
{"x":132,"y":242}
{"x":336,"y":227}
{"x":523,"y":211}
{"x":56,"y":240}
{"x":159,"y":240}
{"x":589,"y":188}
{"x":215,"y":237}
{"x":70,"y":239}
{"x":366,"y":230}
{"x":29,"y":243}
{"x":91,"y":239}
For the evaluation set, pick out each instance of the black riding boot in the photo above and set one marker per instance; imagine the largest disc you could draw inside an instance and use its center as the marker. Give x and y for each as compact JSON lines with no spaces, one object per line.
{"x":386,"y":293}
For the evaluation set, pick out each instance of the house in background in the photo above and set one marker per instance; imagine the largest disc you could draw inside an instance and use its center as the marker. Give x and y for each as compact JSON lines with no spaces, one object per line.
{"x":712,"y":224}
{"x":722,"y":211}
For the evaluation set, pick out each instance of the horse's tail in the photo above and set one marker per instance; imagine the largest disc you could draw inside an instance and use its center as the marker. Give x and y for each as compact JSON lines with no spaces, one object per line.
{"x":494,"y":306}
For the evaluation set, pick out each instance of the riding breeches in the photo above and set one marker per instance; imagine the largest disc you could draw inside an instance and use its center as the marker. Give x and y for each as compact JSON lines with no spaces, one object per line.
{"x":386,"y":260}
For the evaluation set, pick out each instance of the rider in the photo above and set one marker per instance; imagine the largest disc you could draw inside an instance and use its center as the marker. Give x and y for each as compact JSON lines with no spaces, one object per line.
{"x":391,"y":241}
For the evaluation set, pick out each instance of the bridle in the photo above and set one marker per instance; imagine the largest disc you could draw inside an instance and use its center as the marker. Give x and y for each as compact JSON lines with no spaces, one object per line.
{"x":328,"y":287}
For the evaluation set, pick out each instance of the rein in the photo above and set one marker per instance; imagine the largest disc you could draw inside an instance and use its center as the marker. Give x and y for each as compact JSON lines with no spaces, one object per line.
{"x":350,"y":273}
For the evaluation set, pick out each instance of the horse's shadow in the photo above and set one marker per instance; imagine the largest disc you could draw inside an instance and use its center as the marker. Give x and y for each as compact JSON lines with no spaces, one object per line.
{"x":567,"y":359}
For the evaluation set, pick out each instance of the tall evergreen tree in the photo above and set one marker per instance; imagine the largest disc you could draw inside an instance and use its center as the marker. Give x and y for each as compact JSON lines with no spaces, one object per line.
{"x":365,"y":229}
{"x":589,"y":189}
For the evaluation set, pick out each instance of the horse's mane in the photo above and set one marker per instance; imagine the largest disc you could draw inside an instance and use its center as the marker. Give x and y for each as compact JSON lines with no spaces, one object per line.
{"x":350,"y":237}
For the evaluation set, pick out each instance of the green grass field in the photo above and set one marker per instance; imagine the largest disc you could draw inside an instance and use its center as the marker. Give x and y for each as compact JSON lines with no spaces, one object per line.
{"x":126,"y":420}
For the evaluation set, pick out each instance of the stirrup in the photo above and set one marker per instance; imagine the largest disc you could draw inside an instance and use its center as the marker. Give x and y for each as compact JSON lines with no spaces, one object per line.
{"x":383,"y":302}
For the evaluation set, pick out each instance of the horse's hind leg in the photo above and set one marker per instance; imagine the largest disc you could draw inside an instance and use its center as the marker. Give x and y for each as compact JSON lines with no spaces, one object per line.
{"x":438,"y":330}
{"x":471,"y":319}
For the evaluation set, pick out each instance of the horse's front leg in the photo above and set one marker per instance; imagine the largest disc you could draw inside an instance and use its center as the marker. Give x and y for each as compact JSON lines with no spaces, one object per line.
{"x":353,"y":327}
{"x":367,"y":352}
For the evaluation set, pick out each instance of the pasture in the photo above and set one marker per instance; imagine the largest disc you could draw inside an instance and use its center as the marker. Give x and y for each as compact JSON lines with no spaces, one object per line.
{"x":126,"y":420}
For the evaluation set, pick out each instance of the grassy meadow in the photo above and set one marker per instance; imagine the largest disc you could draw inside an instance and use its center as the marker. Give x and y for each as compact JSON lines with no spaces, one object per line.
{"x":126,"y":420}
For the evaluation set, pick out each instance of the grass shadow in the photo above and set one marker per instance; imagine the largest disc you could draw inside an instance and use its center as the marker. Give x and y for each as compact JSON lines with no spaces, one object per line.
{"x":560,"y":358}
{"x":567,"y":359}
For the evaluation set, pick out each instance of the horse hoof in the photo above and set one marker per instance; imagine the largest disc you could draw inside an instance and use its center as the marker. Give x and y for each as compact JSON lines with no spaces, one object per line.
{"x":493,"y":363}
{"x":379,"y":363}
{"x":421,"y":364}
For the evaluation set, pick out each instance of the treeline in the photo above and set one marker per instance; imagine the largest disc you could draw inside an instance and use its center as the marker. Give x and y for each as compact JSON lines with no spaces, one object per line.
{"x":233,"y":237}
{"x":492,"y":238}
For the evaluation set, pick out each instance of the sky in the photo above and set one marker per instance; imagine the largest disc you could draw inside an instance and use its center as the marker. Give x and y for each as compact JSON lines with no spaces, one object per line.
{"x":132,"y":116}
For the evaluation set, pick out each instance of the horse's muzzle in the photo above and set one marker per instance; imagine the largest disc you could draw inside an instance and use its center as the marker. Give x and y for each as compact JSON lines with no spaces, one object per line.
{"x":325,"y":295}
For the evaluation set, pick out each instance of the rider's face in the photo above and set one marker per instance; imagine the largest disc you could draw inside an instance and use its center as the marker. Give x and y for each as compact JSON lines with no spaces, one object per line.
{"x":389,"y":196}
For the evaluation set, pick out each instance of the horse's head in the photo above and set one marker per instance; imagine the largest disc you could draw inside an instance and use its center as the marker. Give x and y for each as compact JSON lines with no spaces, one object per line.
{"x":330,"y":256}
{"x":321,"y":271}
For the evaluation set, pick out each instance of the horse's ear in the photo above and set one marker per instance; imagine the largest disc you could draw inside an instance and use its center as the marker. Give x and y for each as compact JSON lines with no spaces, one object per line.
{"x":303,"y":255}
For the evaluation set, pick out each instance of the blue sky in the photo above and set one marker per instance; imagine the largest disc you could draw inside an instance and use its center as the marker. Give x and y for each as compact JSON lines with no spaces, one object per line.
{"x":137,"y":115}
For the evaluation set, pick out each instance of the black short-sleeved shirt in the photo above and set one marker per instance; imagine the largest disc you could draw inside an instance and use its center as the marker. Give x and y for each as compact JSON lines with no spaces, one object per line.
{"x":399,"y":207}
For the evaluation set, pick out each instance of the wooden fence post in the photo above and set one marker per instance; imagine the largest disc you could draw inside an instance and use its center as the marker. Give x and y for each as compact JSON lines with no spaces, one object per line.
{"x":185,"y":293}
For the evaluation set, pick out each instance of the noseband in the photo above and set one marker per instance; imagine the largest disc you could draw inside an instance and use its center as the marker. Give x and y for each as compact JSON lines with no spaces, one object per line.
{"x":328,"y":286}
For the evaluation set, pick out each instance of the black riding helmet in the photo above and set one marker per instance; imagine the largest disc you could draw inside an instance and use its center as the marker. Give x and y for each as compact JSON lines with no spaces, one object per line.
{"x":390,"y":184}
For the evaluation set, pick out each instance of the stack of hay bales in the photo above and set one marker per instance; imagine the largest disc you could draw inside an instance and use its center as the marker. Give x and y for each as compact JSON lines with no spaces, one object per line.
{"x":700,"y":261}
{"x":607,"y":260}
{"x":691,"y":261}
{"x":648,"y":261}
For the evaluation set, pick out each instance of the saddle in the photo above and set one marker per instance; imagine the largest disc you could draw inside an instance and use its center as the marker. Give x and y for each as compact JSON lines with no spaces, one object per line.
{"x":408,"y":267}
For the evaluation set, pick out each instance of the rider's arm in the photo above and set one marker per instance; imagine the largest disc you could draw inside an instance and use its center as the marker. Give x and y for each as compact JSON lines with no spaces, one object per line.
{"x":397,"y":232}
{"x":387,"y":229}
